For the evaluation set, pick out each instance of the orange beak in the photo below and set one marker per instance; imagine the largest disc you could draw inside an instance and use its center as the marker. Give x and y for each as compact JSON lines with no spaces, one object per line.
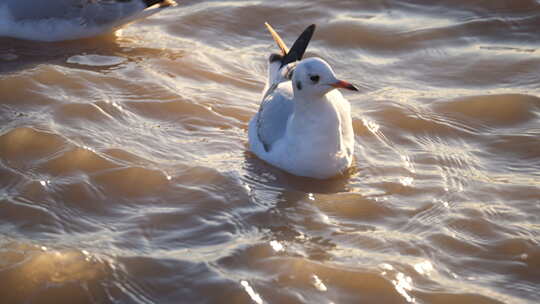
{"x":344,"y":85}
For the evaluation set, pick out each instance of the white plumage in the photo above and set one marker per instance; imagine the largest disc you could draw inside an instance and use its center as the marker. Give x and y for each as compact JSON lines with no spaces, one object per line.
{"x":55,"y":20}
{"x":304,"y":125}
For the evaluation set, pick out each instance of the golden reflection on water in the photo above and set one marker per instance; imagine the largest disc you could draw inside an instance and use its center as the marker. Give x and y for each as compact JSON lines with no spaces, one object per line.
{"x":41,"y":266}
{"x":423,"y":268}
{"x":57,"y":267}
{"x":277,"y":246}
{"x":251,"y":292}
{"x":318,"y":283}
{"x":403,"y":285}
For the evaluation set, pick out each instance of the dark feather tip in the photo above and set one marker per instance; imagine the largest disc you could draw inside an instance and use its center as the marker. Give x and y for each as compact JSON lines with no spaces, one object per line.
{"x":299,"y":47}
{"x":275,"y":57}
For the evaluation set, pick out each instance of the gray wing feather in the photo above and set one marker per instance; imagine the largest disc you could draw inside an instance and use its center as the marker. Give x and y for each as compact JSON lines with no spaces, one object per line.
{"x":272,"y":118}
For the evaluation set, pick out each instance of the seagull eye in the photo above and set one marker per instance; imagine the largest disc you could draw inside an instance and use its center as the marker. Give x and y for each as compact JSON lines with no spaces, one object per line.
{"x":314,"y":78}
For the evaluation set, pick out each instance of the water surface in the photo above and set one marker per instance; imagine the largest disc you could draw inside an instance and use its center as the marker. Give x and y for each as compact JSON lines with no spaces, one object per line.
{"x":125,"y":175}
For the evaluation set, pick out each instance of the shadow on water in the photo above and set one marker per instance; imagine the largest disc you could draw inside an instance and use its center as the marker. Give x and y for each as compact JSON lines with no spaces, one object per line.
{"x":102,"y":53}
{"x":17,"y":55}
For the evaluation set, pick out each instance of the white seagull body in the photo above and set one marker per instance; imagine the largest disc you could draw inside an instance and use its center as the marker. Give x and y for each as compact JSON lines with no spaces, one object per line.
{"x":304,"y":125}
{"x":55,"y":20}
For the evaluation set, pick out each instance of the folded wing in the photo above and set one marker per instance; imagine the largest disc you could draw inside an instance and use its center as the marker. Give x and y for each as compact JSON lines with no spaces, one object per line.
{"x":274,"y":112}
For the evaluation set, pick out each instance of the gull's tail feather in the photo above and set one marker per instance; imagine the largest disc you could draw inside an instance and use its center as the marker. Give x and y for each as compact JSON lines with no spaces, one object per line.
{"x":282,"y":46}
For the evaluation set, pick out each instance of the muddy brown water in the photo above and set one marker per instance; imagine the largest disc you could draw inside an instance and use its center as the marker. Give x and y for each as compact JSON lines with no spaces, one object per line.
{"x":125,"y":176}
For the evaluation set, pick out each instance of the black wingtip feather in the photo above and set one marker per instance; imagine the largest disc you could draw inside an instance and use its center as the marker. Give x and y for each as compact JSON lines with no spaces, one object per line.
{"x":299,"y":47}
{"x":162,"y":3}
{"x":275,"y":57}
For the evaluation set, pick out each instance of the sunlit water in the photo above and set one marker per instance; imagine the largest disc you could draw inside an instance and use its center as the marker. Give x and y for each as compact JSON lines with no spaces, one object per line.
{"x":125,"y":176}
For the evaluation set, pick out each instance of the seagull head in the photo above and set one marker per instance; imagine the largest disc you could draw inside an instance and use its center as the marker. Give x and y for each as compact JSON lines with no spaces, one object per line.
{"x":314,"y":78}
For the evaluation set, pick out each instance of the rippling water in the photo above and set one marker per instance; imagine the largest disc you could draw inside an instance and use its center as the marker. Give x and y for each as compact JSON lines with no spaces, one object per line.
{"x":125,"y":176}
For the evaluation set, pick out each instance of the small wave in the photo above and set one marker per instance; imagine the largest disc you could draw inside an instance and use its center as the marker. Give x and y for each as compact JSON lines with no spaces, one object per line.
{"x":24,"y":144}
{"x":494,"y":110}
{"x":132,"y":181}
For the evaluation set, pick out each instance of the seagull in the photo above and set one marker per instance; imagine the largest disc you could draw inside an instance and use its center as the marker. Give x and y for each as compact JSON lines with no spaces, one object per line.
{"x":304,"y":124}
{"x":57,"y":20}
